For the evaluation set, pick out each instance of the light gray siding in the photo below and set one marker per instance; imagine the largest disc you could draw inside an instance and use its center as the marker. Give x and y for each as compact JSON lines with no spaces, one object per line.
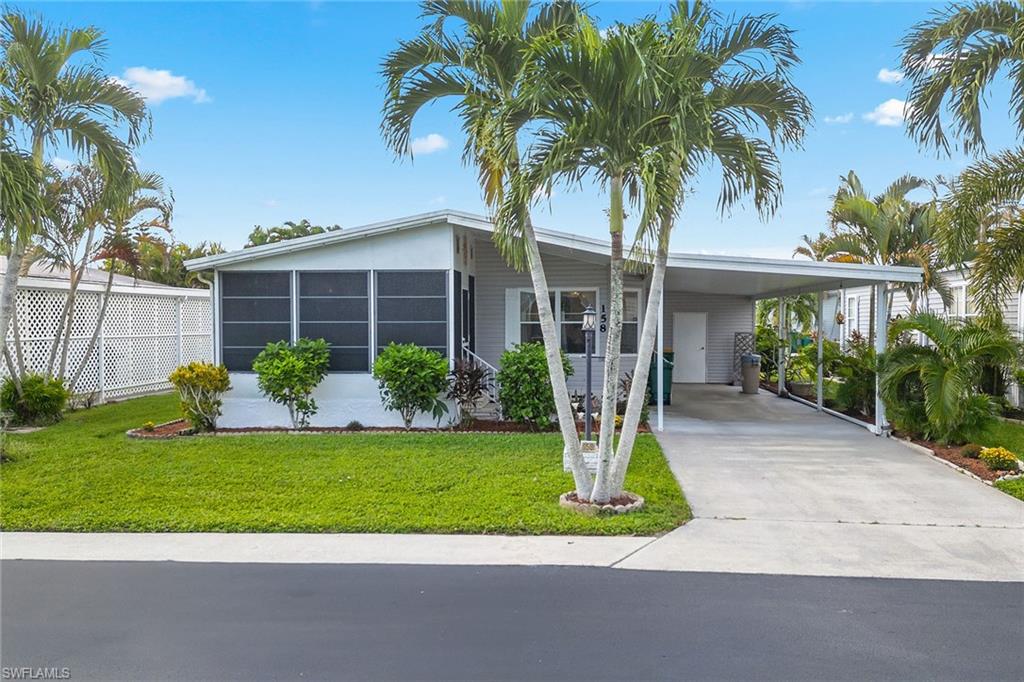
{"x":726,"y":316}
{"x":494,"y":278}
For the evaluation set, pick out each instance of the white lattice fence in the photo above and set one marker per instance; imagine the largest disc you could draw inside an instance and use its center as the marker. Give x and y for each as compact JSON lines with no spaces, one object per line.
{"x":145,"y":335}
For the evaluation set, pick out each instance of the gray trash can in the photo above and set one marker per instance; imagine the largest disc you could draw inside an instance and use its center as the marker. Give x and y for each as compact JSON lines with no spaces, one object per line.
{"x":750,"y":366}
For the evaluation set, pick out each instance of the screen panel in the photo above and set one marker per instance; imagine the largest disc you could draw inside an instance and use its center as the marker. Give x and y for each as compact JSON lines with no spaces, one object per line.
{"x":412,"y":307}
{"x":255,"y":310}
{"x":335,"y":306}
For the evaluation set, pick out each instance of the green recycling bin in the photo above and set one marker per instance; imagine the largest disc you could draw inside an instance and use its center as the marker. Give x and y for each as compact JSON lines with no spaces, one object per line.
{"x":652,"y":379}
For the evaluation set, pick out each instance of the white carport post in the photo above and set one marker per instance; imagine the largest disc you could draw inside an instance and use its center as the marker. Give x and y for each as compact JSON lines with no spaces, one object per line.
{"x":881,"y":339}
{"x":661,"y":362}
{"x":783,"y":347}
{"x":821,"y":361}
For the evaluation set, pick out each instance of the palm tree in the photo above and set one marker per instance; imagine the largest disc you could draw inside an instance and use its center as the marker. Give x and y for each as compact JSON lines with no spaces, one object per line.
{"x":983,"y":223}
{"x":888,"y":229}
{"x":129,"y":216}
{"x":944,"y":376}
{"x":480,"y":54}
{"x":643,"y":109}
{"x":951,"y":60}
{"x":47,"y":98}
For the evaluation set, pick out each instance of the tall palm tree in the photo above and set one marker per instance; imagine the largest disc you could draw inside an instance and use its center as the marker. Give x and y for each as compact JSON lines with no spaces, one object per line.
{"x":130,"y":215}
{"x":947,"y":372}
{"x":643,"y":109}
{"x":951,"y":59}
{"x":480,"y":54}
{"x":47,"y":98}
{"x":887,"y":229}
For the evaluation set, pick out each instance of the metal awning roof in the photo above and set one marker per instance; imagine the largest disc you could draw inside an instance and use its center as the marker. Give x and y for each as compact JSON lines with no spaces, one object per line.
{"x":697,"y":273}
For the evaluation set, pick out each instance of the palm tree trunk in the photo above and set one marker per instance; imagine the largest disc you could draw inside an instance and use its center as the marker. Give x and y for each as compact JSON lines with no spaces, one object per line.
{"x":556,"y":372}
{"x":638,"y":388}
{"x":613,"y":346}
{"x":95,"y":332}
{"x":68,"y":313}
{"x":9,"y":293}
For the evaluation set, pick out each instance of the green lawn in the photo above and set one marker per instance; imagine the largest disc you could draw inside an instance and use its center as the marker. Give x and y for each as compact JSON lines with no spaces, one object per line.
{"x":1010,"y":436}
{"x":85,"y":475}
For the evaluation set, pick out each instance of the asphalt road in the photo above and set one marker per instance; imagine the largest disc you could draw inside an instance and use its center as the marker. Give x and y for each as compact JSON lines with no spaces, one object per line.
{"x":246,"y":621}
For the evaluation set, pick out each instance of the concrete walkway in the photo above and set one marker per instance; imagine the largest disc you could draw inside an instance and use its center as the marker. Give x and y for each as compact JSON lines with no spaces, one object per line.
{"x":775,"y":487}
{"x":778,"y":488}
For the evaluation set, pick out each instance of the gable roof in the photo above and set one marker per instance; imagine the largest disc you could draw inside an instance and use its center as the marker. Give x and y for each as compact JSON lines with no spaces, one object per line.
{"x":798,"y":275}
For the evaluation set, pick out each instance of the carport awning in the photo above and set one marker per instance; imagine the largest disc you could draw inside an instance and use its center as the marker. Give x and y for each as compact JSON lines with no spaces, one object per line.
{"x":766,"y":278}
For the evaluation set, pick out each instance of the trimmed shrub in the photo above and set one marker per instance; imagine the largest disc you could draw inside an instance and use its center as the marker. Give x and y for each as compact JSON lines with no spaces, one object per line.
{"x":200,"y":387}
{"x":288,"y":375}
{"x":412,"y":379}
{"x":525,"y":387}
{"x":354,"y":425}
{"x":998,"y":459}
{"x":41,"y":402}
{"x":971,"y":450}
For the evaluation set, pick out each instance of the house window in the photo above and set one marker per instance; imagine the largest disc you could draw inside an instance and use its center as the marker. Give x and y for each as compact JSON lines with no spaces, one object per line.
{"x":570,"y":318}
{"x":630,"y":321}
{"x":335,"y":306}
{"x":256,"y":309}
{"x":529,"y":318}
{"x":962,"y":305}
{"x":852,"y":316}
{"x":567,"y":306}
{"x":412,"y":307}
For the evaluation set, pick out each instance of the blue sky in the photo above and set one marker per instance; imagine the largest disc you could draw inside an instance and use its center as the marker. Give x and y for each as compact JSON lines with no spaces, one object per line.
{"x":270,"y":111}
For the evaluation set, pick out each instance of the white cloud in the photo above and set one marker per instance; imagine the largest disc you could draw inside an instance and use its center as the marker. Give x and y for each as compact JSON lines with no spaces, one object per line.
{"x":156,"y":85}
{"x":271,"y":203}
{"x":61,"y":164}
{"x":889,"y":113}
{"x":429,"y":144}
{"x":889,"y":76}
{"x":439,"y":200}
{"x":840,"y":119}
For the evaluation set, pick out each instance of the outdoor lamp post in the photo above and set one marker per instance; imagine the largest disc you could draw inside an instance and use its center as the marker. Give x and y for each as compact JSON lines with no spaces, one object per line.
{"x":589,"y":326}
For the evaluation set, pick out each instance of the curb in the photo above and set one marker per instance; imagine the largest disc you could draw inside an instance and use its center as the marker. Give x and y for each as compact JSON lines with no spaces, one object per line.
{"x":927,"y":451}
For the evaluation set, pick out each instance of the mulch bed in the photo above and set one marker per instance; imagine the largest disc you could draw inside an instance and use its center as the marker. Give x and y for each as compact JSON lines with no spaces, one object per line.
{"x":951,"y":453}
{"x":182,"y":428}
{"x":178,"y":427}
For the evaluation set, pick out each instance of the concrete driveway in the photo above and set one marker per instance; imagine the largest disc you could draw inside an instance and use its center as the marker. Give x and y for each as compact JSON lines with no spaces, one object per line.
{"x":778,"y":488}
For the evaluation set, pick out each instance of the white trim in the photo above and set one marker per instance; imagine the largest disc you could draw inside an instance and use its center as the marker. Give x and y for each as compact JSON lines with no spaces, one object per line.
{"x":100,"y":287}
{"x":597,"y":247}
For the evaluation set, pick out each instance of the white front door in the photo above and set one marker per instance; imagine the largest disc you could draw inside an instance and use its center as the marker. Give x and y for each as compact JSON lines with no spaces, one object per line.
{"x":689,"y":342}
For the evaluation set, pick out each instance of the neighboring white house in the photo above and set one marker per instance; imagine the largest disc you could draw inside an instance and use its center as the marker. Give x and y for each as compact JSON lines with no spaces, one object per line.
{"x":149,"y":330}
{"x":437,"y":280}
{"x":857,"y":306}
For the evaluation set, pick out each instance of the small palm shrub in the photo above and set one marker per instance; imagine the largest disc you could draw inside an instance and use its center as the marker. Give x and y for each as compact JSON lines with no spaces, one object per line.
{"x":856,"y":368}
{"x":42,"y":400}
{"x":946,"y":374}
{"x":524,"y":388}
{"x":971,"y":450}
{"x":412,"y":379}
{"x":288,"y":375}
{"x":200,"y":387}
{"x":998,"y":459}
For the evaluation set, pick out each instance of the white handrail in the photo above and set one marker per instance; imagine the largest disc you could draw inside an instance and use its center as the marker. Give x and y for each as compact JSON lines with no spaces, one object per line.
{"x":490,"y":373}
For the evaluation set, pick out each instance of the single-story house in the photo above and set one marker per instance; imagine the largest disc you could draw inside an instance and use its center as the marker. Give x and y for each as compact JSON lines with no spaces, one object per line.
{"x":437,"y":280}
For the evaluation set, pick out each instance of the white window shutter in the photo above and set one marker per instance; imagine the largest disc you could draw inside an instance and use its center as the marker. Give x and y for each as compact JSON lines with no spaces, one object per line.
{"x":512,"y":330}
